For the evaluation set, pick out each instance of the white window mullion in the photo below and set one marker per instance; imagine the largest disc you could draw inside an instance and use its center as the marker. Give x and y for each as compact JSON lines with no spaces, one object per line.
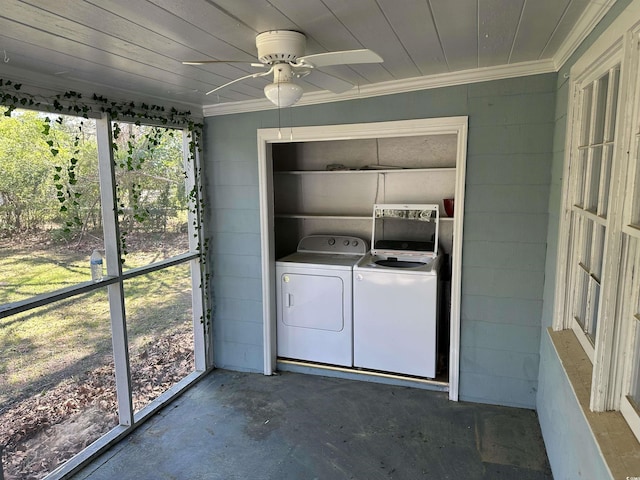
{"x":114,"y":269}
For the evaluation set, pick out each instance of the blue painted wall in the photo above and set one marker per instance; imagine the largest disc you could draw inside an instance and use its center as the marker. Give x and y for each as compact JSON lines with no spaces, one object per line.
{"x":511,"y":127}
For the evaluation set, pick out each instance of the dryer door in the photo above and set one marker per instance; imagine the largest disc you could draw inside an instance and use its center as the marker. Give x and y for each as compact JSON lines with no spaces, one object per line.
{"x":312,"y":301}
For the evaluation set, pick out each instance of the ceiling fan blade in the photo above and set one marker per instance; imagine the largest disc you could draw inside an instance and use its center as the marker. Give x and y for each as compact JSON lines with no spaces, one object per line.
{"x":253,"y":75}
{"x":345,"y":57}
{"x":207,"y":62}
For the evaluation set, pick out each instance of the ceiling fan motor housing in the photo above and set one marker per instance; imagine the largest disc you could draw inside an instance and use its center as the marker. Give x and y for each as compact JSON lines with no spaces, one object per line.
{"x":276,"y":46}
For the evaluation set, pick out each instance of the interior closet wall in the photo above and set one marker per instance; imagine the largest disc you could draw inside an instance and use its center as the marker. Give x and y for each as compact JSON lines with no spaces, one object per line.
{"x":330,"y":187}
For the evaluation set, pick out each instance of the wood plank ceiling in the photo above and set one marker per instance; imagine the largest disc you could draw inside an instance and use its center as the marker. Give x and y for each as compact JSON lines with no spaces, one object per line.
{"x":132,"y":49}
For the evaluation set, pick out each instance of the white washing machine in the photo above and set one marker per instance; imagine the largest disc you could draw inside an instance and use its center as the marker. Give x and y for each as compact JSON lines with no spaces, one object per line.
{"x":396,"y":293}
{"x":314,"y":301}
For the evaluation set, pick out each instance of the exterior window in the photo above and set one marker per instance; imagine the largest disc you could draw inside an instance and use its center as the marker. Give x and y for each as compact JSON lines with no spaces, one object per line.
{"x":629,"y":283}
{"x":598,"y":290}
{"x":589,"y":202}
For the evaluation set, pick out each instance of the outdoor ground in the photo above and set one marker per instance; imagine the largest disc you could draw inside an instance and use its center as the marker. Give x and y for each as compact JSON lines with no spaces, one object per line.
{"x":57,"y":386}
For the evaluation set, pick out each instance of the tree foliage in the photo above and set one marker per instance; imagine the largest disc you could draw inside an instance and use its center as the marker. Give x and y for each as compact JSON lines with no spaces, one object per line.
{"x":26,"y":189}
{"x":149,"y":178}
{"x":49,"y":176}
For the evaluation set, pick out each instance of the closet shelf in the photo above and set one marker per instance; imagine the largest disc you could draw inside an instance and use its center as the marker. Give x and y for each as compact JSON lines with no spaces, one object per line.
{"x":320,"y":216}
{"x":361,"y":172}
{"x":323,"y":217}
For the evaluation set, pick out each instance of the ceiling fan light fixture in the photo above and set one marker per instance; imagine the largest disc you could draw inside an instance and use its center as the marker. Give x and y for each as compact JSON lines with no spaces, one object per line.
{"x":283,"y":94}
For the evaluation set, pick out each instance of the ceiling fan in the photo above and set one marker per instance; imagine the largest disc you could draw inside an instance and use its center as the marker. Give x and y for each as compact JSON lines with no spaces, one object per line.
{"x":283,"y":51}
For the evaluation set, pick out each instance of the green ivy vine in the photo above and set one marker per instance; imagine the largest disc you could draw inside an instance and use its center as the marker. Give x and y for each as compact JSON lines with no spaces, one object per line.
{"x":65,"y":173}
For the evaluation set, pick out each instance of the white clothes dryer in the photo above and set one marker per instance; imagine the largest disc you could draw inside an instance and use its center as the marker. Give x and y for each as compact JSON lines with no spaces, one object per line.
{"x":314,"y":304}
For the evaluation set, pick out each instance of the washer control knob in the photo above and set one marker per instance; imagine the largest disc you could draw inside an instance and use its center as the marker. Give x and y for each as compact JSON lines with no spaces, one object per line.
{"x":346,"y":243}
{"x":355,"y":243}
{"x":332,"y":241}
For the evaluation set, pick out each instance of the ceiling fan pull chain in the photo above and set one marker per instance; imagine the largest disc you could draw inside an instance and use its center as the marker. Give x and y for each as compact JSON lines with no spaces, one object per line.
{"x":279,"y":124}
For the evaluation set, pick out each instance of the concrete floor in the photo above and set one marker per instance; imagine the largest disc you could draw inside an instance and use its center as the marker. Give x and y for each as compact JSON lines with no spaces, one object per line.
{"x":293,"y":426}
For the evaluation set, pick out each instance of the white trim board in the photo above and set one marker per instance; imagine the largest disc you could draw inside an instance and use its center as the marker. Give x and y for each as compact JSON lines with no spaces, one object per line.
{"x":394,"y":86}
{"x":431,"y":126}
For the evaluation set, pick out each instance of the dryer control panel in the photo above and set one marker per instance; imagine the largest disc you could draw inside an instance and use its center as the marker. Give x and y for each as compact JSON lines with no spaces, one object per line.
{"x":336,"y":244}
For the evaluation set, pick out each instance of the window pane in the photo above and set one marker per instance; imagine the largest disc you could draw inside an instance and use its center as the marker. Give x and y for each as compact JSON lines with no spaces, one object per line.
{"x":635,"y":380}
{"x":580,"y":177}
{"x":635,"y":219}
{"x":152,"y":199}
{"x":600,"y":109}
{"x":605,"y":182}
{"x":592,"y":313}
{"x":587,"y":99}
{"x":598,"y":252}
{"x":581,"y":293}
{"x":594,"y":179}
{"x":58,"y":385}
{"x":586,"y":236}
{"x":50,"y":218}
{"x":629,"y":283}
{"x":160,"y":331}
{"x":613,"y":108}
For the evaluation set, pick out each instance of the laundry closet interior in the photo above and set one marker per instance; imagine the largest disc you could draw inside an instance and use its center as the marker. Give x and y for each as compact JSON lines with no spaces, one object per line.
{"x":320,"y":194}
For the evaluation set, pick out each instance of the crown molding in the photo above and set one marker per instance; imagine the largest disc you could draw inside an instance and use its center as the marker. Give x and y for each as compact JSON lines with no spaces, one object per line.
{"x":591,"y":16}
{"x":392,"y":87}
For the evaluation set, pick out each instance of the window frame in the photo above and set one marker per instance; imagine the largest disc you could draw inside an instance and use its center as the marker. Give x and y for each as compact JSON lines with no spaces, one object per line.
{"x":629,"y":308}
{"x":611,"y":353}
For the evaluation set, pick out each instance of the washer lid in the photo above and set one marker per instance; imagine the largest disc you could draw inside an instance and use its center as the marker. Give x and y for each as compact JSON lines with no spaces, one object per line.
{"x":405,"y":230}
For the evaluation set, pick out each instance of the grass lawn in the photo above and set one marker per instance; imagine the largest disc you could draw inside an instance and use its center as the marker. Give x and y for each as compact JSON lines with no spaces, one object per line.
{"x":59,"y":342}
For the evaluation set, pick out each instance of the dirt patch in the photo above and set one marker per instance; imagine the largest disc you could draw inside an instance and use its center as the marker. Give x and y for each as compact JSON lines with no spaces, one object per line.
{"x":41,"y":432}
